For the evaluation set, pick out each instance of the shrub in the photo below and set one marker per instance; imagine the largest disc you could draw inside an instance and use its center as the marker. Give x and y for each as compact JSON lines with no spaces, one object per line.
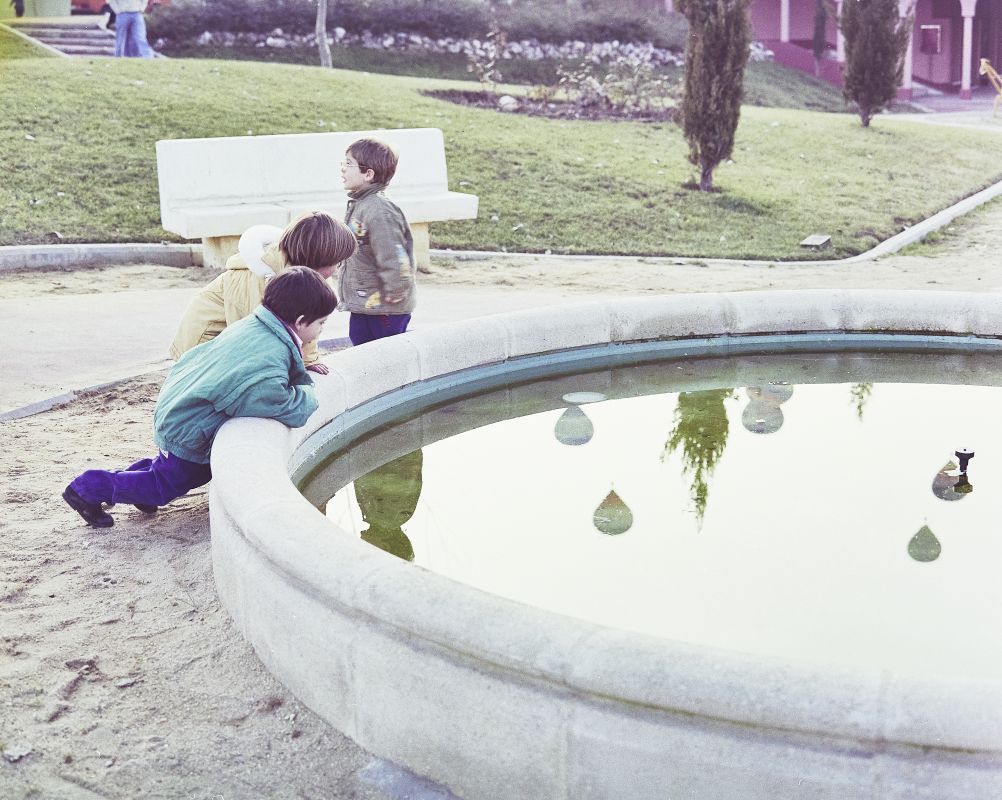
{"x":629,"y":83}
{"x":461,"y":19}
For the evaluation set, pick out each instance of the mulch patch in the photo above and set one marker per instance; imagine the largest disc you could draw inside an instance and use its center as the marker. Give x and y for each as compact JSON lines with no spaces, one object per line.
{"x":549,"y":108}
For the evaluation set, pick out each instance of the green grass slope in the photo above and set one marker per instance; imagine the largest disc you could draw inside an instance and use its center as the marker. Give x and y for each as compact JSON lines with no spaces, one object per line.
{"x":78,"y":136}
{"x":13,"y":46}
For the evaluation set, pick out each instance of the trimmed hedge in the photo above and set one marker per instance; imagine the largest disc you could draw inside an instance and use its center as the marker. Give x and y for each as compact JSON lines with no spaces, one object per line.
{"x":461,"y":19}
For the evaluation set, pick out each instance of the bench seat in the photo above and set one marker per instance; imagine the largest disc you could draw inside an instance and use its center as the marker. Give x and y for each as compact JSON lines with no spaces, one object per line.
{"x":216,"y":188}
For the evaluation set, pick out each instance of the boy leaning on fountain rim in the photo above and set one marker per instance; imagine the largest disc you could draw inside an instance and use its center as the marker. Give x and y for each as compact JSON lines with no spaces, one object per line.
{"x":254,"y":368}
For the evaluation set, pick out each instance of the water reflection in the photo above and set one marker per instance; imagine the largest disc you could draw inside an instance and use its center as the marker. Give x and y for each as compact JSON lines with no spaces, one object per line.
{"x":924,"y":546}
{"x":573,"y":427}
{"x":829,"y":501}
{"x":387,"y":497}
{"x":860,"y":393}
{"x":613,"y":516}
{"x":763,"y":413}
{"x":952,"y":481}
{"x":700,"y":432}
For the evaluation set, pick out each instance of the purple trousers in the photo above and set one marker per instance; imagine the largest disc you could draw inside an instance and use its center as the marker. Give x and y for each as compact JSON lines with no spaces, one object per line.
{"x":150,"y":481}
{"x":364,"y":328}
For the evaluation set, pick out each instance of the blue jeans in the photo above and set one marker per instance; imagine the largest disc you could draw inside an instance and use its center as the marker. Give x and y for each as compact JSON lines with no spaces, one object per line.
{"x":364,"y":328}
{"x":150,"y":481}
{"x":130,"y":35}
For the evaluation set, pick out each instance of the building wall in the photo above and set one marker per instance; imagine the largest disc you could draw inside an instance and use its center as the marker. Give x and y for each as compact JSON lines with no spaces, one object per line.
{"x":765,"y":21}
{"x":941,"y":69}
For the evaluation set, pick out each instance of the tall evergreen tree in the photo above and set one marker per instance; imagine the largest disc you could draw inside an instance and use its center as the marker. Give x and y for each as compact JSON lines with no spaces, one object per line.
{"x":715,"y":58}
{"x":876,"y":39}
{"x":820,"y":42}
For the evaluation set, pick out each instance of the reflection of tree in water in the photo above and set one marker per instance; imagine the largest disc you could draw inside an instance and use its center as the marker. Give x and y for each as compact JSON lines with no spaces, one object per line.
{"x":387,"y":497}
{"x":860,"y":393}
{"x":701,"y":431}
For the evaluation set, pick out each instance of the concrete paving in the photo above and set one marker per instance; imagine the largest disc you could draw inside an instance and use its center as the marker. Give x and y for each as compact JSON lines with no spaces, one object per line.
{"x":54,"y":346}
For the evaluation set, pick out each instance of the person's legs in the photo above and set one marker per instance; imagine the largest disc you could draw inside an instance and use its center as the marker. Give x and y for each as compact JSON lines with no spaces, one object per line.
{"x":141,"y":45}
{"x":364,"y":328}
{"x":123,"y":24}
{"x":167,"y":477}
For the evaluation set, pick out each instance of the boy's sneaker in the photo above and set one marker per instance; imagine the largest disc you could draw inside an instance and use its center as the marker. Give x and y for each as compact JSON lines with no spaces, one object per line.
{"x":91,"y":512}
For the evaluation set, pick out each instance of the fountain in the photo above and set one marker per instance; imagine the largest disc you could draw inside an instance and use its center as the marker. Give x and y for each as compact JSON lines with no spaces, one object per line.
{"x":495,"y":698}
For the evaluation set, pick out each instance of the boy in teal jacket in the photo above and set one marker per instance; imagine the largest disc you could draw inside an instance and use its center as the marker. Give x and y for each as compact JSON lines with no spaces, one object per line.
{"x":254,"y":368}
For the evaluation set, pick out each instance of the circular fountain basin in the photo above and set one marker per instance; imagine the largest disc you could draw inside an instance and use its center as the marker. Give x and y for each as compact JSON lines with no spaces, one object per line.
{"x":496,"y":698}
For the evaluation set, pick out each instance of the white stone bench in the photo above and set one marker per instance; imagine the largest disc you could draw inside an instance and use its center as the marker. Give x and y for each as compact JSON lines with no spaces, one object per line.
{"x":216,"y":188}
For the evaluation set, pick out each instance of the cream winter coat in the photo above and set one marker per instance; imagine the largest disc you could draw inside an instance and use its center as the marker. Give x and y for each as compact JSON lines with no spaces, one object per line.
{"x":236,"y":292}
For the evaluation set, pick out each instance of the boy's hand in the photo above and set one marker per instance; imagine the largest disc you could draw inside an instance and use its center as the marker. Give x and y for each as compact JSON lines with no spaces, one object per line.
{"x":320,"y":369}
{"x":392,"y":300}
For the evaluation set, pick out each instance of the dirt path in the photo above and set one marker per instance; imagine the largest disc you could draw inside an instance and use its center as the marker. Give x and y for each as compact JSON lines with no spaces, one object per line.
{"x":121,"y":676}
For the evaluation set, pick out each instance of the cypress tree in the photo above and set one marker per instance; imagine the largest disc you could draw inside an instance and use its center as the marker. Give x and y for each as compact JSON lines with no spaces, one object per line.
{"x":876,"y":39}
{"x":820,"y":42}
{"x":715,"y":58}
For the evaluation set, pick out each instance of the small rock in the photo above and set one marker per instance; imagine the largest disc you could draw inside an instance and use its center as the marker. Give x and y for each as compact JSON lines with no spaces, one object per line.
{"x":16,"y":751}
{"x":507,"y":103}
{"x":125,"y":683}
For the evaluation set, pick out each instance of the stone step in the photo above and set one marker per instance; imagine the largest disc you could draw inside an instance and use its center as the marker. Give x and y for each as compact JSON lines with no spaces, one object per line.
{"x":83,"y":50}
{"x":55,"y":41}
{"x":59,"y":33}
{"x":61,"y":43}
{"x":73,"y":40}
{"x":54,"y":25}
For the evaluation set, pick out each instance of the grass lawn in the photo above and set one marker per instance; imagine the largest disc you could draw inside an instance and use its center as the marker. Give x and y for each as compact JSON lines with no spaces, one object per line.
{"x":13,"y":46}
{"x":77,"y":137}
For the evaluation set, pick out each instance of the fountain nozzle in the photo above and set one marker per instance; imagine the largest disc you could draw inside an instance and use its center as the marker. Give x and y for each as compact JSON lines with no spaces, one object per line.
{"x":964,"y":456}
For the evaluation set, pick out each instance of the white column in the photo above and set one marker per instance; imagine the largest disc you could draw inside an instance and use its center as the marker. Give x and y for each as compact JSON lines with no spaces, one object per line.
{"x":905,"y":7}
{"x":839,"y":38}
{"x":784,"y":20}
{"x":967,"y":9}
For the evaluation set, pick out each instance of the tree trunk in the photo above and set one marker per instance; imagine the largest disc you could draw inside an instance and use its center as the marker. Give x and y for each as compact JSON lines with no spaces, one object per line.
{"x":321,"y":31}
{"x":706,"y":177}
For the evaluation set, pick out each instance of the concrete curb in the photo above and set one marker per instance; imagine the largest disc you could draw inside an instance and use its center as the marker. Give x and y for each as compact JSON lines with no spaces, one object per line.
{"x":66,"y":256}
{"x":70,"y":256}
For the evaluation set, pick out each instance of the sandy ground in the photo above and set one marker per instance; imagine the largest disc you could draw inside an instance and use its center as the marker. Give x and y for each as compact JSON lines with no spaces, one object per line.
{"x":121,"y":676}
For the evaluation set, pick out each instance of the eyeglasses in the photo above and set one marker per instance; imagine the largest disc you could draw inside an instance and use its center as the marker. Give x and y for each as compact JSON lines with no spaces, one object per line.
{"x":353,"y":164}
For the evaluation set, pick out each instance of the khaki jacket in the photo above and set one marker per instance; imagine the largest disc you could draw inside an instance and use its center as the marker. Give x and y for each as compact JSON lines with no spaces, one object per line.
{"x":231,"y":296}
{"x":383,"y":265}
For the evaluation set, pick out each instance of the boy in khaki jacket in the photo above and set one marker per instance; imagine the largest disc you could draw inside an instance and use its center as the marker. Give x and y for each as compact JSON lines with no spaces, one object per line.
{"x":315,"y":240}
{"x":377,"y":283}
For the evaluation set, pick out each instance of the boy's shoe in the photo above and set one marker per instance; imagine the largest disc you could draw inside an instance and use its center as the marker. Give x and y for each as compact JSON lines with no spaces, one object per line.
{"x":91,"y":512}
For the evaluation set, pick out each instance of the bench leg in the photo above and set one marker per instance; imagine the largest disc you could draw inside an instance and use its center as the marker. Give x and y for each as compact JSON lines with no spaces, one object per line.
{"x":216,"y":249}
{"x":422,"y":243}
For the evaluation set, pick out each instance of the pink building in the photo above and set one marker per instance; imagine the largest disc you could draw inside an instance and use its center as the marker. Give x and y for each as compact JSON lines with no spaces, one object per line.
{"x":948,"y":41}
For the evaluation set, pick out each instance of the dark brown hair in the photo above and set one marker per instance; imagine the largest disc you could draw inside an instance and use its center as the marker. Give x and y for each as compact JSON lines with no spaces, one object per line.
{"x":299,"y":292}
{"x":377,"y":155}
{"x":317,"y":240}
